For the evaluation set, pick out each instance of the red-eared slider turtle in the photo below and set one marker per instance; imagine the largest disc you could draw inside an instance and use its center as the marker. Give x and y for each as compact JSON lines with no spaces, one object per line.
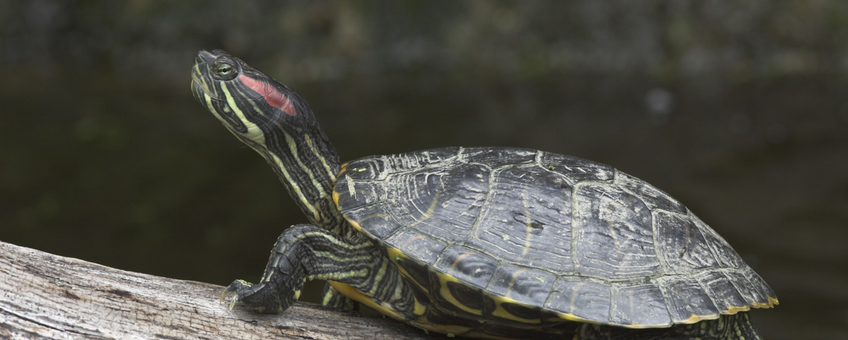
{"x":485,"y":242}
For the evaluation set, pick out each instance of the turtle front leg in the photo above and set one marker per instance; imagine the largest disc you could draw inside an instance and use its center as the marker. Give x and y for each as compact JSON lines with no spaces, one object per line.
{"x":306,"y":252}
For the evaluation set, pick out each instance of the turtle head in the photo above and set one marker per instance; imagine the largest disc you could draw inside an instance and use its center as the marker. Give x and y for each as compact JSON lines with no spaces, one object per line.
{"x":275,"y":122}
{"x":248,"y":102}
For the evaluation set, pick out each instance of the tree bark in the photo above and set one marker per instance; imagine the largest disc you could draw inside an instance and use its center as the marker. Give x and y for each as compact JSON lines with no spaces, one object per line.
{"x":45,"y":296}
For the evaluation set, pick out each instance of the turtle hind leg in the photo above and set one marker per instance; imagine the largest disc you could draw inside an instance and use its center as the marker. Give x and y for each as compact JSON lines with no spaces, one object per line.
{"x":726,"y":327}
{"x":306,"y":252}
{"x":332,"y":298}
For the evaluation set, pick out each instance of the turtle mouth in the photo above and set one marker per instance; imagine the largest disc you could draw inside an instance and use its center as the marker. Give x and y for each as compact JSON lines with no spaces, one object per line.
{"x":200,"y":80}
{"x":199,"y":89}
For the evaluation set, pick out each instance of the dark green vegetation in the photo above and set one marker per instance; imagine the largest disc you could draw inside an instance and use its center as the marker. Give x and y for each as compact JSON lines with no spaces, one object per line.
{"x":105,"y":157}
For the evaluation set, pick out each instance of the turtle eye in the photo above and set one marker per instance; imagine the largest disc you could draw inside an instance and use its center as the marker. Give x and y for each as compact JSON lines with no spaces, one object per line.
{"x":224,"y":71}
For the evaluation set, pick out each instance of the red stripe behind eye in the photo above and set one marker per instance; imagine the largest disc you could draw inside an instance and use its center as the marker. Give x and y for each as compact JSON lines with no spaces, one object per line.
{"x":271,"y":95}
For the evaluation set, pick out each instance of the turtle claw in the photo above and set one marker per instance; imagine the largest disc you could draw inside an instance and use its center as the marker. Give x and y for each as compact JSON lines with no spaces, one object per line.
{"x":260,"y":298}
{"x":236,"y":291}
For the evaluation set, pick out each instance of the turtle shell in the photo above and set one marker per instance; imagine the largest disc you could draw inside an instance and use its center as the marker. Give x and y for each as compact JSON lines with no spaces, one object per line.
{"x":534,"y":231}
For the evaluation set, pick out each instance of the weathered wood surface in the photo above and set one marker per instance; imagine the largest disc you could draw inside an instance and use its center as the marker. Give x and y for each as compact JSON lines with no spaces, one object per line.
{"x":45,"y":296}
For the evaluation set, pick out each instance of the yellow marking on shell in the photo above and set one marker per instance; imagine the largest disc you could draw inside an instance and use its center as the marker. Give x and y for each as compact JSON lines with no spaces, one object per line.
{"x":458,"y":259}
{"x":526,"y":245}
{"x":446,"y":294}
{"x":354,"y":224}
{"x":696,"y":318}
{"x":736,"y":309}
{"x":772,"y":301}
{"x":374,"y":216}
{"x":336,"y":199}
{"x":512,"y":278}
{"x":572,"y":317}
{"x":430,"y":209}
{"x":770,"y":304}
{"x":297,"y":294}
{"x":419,"y":309}
{"x":321,"y":158}
{"x":502,"y":313}
{"x":353,"y":293}
{"x":395,"y":256}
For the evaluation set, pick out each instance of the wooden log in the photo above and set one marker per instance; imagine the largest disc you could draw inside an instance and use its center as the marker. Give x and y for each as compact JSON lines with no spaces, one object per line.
{"x":45,"y":296}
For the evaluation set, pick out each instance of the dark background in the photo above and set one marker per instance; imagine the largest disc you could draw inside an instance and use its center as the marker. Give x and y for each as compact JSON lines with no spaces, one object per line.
{"x":737,"y":108}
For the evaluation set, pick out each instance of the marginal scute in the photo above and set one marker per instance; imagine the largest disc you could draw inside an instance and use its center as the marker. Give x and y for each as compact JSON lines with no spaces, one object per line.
{"x":723,"y":293}
{"x":519,"y":312}
{"x":762,"y":287}
{"x":419,"y":246}
{"x":688,"y":302}
{"x":638,"y":304}
{"x":748,"y":292}
{"x":525,"y":285}
{"x":467,"y":265}
{"x":374,"y":220}
{"x":757,"y":291}
{"x":581,"y":299}
{"x":444,"y":299}
{"x":417,"y":272}
{"x":449,"y":318}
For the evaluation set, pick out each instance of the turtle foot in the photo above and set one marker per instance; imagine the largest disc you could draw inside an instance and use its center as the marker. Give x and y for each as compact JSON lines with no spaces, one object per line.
{"x":258,"y":298}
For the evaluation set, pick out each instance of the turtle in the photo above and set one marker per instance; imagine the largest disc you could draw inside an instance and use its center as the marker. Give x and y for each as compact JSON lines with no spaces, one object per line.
{"x":482,"y":242}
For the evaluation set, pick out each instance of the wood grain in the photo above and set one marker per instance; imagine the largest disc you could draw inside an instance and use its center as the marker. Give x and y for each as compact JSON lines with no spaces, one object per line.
{"x":45,"y":296}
